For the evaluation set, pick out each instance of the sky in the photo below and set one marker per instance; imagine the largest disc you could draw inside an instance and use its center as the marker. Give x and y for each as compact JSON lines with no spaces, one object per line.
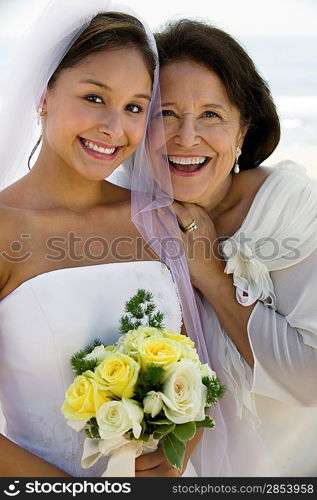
{"x":239,"y":17}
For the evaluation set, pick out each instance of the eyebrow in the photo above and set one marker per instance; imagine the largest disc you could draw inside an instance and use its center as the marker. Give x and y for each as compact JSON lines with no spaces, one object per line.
{"x":106,"y":87}
{"x":217,"y":106}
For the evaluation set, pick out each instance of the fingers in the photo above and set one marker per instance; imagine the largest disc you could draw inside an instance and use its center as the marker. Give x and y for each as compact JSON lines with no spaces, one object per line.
{"x":197,"y":212}
{"x":183,"y":215}
{"x":149,"y":460}
{"x":205,"y":230}
{"x":161,"y":471}
{"x":186,"y":213}
{"x":154,"y":465}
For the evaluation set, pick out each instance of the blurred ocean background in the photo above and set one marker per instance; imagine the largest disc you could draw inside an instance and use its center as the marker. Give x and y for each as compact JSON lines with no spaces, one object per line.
{"x":289,"y":65}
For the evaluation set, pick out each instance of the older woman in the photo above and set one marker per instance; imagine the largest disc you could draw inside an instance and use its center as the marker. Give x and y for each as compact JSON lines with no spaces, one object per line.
{"x":251,"y":241}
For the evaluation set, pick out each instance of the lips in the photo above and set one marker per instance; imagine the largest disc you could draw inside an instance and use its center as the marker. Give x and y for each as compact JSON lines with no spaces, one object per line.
{"x":187,"y":165}
{"x":98,"y":149}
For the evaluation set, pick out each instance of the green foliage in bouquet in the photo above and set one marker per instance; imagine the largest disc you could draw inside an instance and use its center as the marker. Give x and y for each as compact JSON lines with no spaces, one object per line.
{"x":78,"y":361}
{"x":174,"y":436}
{"x":140,"y":306}
{"x":151,"y":379}
{"x":215,"y":390}
{"x":92,"y":432}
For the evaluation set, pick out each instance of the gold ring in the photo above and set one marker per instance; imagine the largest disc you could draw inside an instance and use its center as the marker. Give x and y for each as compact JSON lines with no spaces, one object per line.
{"x":191,"y":227}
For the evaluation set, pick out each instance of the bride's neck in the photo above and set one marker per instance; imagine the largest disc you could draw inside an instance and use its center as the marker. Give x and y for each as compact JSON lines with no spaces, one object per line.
{"x":58,"y":186}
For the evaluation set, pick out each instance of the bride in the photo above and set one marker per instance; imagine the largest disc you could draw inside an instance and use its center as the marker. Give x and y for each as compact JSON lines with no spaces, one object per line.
{"x":71,"y":257}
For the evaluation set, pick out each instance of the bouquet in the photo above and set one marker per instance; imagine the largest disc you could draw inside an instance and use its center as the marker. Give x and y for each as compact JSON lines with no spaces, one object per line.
{"x":148,"y":387}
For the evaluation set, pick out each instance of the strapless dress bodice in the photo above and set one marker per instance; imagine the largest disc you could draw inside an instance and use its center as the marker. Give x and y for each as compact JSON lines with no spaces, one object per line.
{"x":42,"y":323}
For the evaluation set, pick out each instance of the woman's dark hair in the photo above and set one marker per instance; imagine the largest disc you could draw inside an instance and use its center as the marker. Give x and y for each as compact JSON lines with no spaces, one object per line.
{"x":197,"y":41}
{"x":108,"y":31}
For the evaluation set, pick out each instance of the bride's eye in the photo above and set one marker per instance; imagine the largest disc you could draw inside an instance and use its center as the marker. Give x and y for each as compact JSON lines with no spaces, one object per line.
{"x":94,"y":98}
{"x":134,"y":108}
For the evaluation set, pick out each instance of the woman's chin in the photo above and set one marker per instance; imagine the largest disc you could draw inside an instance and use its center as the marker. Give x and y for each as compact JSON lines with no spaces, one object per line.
{"x":185,"y":195}
{"x":186,"y":198}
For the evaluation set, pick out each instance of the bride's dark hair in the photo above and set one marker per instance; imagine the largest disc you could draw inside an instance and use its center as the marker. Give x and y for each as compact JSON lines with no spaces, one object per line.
{"x":205,"y":44}
{"x":108,"y":31}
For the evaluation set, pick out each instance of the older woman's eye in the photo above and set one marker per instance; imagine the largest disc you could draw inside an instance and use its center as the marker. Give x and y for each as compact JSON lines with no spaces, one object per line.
{"x":94,"y":98}
{"x":211,"y":114}
{"x":167,"y":112}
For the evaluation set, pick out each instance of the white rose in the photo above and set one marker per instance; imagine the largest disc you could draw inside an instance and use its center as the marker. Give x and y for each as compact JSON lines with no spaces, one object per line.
{"x":202,"y":411}
{"x":152,"y":403}
{"x":206,"y":371}
{"x":115,"y":418}
{"x":99,"y":353}
{"x":190,"y":353}
{"x":184,"y":394}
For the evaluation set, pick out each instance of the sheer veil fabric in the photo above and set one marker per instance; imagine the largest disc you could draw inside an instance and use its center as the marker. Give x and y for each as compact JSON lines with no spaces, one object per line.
{"x":23,"y":83}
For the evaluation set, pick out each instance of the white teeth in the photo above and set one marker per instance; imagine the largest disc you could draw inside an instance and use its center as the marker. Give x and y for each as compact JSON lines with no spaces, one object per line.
{"x":195,"y":160}
{"x":94,"y":147}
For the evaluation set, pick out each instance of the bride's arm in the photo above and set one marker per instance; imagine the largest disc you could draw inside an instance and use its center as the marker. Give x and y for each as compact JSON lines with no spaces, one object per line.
{"x":17,"y":462}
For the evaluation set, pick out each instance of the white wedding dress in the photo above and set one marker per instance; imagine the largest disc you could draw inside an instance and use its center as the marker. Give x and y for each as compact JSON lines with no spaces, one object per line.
{"x":42,"y":323}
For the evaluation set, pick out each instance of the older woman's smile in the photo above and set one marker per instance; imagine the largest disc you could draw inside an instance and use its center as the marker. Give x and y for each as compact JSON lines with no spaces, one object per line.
{"x":187,"y":165}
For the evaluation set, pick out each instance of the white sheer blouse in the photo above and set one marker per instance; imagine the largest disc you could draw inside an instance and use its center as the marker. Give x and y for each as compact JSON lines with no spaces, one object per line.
{"x":271,"y":410}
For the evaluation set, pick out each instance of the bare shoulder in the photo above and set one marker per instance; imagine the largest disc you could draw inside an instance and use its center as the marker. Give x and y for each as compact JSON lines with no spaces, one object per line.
{"x":8,"y":223}
{"x":14,"y":227}
{"x":247,"y":183}
{"x":245,"y":187}
{"x":252,"y":179}
{"x":9,"y":217}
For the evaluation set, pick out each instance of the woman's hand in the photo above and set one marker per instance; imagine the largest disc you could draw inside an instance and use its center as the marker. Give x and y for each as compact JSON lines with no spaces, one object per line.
{"x":207,"y":274}
{"x":155,"y":465}
{"x":201,"y":245}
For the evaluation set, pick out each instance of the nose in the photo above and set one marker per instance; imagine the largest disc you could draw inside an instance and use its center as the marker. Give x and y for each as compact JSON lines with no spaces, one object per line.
{"x":111,"y":125}
{"x":187,"y":135}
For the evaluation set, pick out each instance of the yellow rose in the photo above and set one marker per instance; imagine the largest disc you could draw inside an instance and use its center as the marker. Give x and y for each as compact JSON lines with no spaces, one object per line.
{"x":133,"y":338}
{"x":118,"y":374}
{"x":148,"y":331}
{"x":82,"y":399}
{"x":160,"y":351}
{"x":187,"y":345}
{"x":178,"y":337}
